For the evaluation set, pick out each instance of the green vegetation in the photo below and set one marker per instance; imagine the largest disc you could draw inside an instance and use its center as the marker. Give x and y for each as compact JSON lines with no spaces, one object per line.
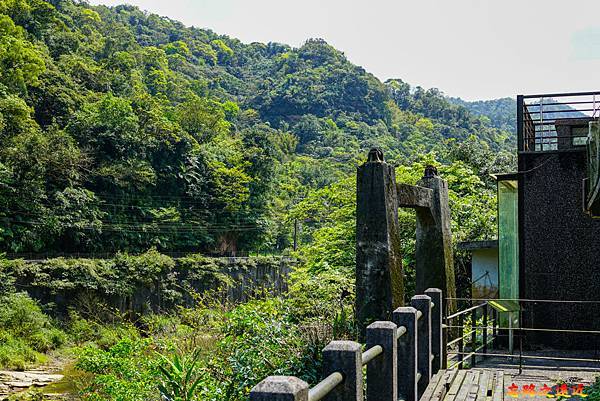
{"x":502,"y":113}
{"x":126,"y":133}
{"x":213,"y":351}
{"x":26,"y":333}
{"x":121,"y":130}
{"x":132,"y":284}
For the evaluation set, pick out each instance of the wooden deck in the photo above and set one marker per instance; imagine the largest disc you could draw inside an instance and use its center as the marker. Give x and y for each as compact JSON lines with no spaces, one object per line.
{"x":469,"y":385}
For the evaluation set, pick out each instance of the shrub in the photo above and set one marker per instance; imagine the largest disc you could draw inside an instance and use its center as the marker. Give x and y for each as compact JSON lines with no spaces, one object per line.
{"x":126,"y":371}
{"x":25,"y":332}
{"x":29,"y":395}
{"x":81,"y":330}
{"x":22,"y":315}
{"x":48,"y":339}
{"x":225,"y":349}
{"x":259,"y":338}
{"x":16,"y":353}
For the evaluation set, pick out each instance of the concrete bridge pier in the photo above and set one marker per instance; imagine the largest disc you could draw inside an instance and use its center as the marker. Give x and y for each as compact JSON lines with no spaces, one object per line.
{"x":379,"y":278}
{"x":379,"y":284}
{"x":433,"y":253}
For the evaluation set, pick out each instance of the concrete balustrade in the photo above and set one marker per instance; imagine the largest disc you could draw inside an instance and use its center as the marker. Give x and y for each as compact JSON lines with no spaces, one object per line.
{"x":436,"y":327}
{"x":400,"y":358}
{"x":422,"y":303}
{"x":407,"y":353}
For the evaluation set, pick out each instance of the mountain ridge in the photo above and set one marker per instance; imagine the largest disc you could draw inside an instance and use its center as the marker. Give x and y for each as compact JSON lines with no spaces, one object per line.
{"x":123,"y":130}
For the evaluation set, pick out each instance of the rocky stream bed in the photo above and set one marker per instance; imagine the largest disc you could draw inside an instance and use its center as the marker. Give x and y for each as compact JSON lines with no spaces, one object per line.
{"x":14,"y":381}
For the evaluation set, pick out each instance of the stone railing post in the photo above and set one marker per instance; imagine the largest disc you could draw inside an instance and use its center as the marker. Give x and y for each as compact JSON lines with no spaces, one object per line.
{"x":344,"y":357}
{"x":422,"y":303}
{"x":407,"y":353}
{"x":382,"y":372}
{"x":436,"y":329}
{"x":280,"y":388}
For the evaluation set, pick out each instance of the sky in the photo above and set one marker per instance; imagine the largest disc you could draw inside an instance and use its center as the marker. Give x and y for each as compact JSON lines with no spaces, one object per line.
{"x":473,"y":49}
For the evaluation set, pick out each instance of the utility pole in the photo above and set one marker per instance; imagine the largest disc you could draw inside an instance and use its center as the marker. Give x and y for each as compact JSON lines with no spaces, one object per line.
{"x":295,"y":235}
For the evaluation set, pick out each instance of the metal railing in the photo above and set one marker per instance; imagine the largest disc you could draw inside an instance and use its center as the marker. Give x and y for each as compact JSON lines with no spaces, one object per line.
{"x":555,"y":121}
{"x":470,"y":337}
{"x":491,"y":327}
{"x":400,"y":358}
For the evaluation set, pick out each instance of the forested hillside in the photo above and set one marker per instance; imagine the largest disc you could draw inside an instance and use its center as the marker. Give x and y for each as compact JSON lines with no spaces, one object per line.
{"x":126,"y":133}
{"x":502,"y":113}
{"x":121,"y":130}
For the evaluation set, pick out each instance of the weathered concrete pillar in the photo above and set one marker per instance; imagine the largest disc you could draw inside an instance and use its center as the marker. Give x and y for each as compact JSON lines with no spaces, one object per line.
{"x":280,"y":388}
{"x":382,"y":372}
{"x":436,"y":328}
{"x":434,"y":258}
{"x":407,"y":353}
{"x":422,"y":303}
{"x":344,"y":357}
{"x":379,"y":286}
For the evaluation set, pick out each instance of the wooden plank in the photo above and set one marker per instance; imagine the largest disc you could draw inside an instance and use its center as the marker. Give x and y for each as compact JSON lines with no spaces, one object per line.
{"x":499,"y":387}
{"x":465,"y":387}
{"x":449,"y":377}
{"x":444,"y":385}
{"x":474,"y":388}
{"x":435,"y":379}
{"x":433,"y":384}
{"x":483,"y":385}
{"x":472,"y":396}
{"x":490,"y":388}
{"x":456,"y":385}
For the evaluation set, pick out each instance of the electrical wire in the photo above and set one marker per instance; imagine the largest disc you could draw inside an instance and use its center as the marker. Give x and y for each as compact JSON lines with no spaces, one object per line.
{"x":149,"y":227}
{"x":524,"y":300}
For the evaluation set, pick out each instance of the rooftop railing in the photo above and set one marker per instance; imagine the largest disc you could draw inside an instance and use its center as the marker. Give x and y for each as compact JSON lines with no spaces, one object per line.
{"x":555,"y":121}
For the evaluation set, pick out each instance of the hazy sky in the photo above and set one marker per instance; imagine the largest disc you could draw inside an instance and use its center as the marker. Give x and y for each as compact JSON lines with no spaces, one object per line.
{"x":475,"y":49}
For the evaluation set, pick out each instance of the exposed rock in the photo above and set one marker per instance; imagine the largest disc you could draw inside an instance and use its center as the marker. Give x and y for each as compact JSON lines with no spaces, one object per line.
{"x":12,"y":381}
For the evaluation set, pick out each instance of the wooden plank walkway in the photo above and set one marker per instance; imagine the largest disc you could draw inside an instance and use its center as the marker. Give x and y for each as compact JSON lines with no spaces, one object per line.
{"x":465,"y":385}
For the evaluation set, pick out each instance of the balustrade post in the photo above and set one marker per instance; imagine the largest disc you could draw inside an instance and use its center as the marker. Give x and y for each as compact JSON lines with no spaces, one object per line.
{"x":423,"y":304}
{"x":485,"y":330}
{"x":436,"y":329}
{"x":344,"y":357}
{"x":461,"y":342}
{"x":496,"y":323}
{"x":382,"y":372}
{"x":473,"y":337}
{"x":407,"y":353}
{"x":444,"y":347}
{"x":280,"y":388}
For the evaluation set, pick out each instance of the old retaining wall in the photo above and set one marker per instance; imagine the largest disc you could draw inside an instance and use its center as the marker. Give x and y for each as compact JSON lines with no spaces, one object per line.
{"x":150,"y":282}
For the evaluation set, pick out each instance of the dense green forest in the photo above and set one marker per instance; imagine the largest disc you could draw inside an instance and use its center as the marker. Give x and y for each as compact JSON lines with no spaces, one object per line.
{"x":121,"y":130}
{"x":502,"y":113}
{"x":126,"y":133}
